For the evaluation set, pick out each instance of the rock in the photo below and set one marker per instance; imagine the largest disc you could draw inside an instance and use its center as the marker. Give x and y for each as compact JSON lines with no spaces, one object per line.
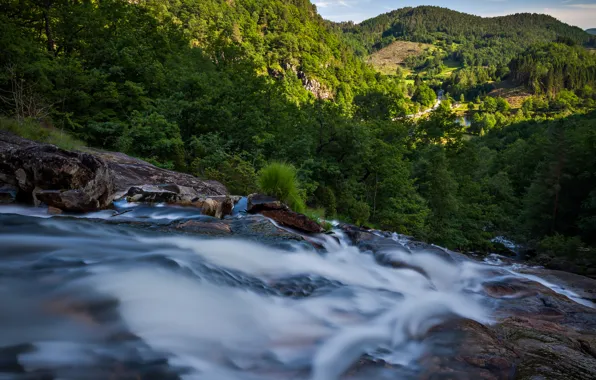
{"x":8,"y":194}
{"x":71,"y":181}
{"x":204,"y":227}
{"x":54,"y":211}
{"x":227,"y":206}
{"x":151,"y":194}
{"x":81,"y":182}
{"x":294,"y":220}
{"x":259,"y":202}
{"x":129,"y":172}
{"x":279,"y":212}
{"x":210,"y":207}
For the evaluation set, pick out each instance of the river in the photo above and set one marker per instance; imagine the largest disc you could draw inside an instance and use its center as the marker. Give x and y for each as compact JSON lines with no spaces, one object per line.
{"x":122,"y":294}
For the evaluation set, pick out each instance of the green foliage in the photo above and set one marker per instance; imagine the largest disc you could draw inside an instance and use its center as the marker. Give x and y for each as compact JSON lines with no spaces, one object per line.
{"x":551,"y":68}
{"x":424,"y":95}
{"x":280,"y":180}
{"x":471,"y":40}
{"x":559,"y":245}
{"x":33,"y":130}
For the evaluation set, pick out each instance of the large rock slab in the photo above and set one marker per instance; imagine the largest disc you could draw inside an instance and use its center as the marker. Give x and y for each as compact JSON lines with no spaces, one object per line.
{"x":71,"y":181}
{"x":129,"y":171}
{"x":88,"y":181}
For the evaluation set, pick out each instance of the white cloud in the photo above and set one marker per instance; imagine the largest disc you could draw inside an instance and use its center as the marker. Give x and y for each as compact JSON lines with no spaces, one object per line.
{"x":583,"y":6}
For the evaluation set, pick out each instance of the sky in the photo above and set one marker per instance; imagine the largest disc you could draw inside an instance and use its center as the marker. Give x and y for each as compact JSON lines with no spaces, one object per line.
{"x":580,"y":13}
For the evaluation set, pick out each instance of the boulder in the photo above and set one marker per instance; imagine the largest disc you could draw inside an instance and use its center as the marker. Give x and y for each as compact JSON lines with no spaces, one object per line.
{"x":129,"y":171}
{"x":259,"y":202}
{"x":82,"y":182}
{"x":151,"y":194}
{"x":218,"y":207}
{"x":280,"y":213}
{"x":71,"y":181}
{"x":8,"y":194}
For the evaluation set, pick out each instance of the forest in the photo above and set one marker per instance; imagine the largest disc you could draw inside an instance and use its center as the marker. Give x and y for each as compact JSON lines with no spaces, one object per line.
{"x":220,"y":89}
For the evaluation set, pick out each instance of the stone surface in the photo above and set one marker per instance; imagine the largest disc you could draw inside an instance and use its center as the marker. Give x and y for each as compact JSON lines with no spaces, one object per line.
{"x":8,"y":194}
{"x":72,"y":181}
{"x":151,"y":194}
{"x":280,"y":213}
{"x":129,"y":172}
{"x":54,"y":211}
{"x":204,"y":227}
{"x":88,"y":181}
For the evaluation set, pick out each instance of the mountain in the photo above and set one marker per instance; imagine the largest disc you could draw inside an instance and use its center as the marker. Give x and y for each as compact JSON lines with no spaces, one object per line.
{"x":280,"y":37}
{"x":470,"y":39}
{"x":591,"y":31}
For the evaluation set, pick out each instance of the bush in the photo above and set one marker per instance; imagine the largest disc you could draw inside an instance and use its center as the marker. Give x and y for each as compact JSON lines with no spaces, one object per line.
{"x":279,"y":180}
{"x":559,"y":245}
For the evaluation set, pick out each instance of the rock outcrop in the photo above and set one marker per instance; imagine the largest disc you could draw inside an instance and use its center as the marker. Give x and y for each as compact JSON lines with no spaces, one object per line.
{"x":129,"y":171}
{"x":280,"y":213}
{"x":88,"y":181}
{"x":71,"y":181}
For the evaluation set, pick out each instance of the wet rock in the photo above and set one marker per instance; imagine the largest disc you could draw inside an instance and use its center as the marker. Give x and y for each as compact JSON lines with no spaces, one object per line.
{"x":8,"y":194}
{"x":54,"y":211}
{"x":509,"y":289}
{"x":261,"y":230}
{"x":129,"y":171}
{"x":584,"y":287}
{"x":151,"y":194}
{"x":259,"y":202}
{"x":219,"y":207}
{"x":465,"y":349}
{"x":71,"y":181}
{"x":280,"y":213}
{"x":548,"y":349}
{"x":205,"y":227}
{"x":294,"y":220}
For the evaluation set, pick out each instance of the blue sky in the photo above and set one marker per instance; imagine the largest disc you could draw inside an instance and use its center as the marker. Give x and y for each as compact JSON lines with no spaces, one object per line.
{"x":581,"y":13}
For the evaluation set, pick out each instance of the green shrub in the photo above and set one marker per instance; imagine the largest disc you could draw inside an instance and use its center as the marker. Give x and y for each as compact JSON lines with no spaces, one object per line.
{"x":559,"y":245}
{"x":279,"y":180}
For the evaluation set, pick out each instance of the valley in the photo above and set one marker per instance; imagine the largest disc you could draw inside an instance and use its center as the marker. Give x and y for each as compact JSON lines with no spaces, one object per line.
{"x":241,"y":189}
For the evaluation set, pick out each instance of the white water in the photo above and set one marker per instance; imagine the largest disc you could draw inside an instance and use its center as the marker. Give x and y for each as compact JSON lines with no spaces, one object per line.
{"x":230,"y":329}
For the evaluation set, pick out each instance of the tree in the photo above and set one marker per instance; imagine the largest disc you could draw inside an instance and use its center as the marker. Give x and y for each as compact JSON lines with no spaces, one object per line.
{"x":424,"y":95}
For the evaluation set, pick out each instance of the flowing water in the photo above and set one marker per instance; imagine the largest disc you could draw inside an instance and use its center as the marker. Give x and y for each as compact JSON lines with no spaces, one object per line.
{"x":85,"y":299}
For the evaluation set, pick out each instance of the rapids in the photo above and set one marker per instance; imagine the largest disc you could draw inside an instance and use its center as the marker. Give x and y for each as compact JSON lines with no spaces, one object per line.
{"x":87,"y":297}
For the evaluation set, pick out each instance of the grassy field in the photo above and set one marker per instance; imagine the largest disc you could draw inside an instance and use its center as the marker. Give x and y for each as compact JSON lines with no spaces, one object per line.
{"x":389,"y":58}
{"x":452,"y":66}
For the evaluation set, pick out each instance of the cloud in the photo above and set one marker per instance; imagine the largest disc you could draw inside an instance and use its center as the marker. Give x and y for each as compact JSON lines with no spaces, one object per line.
{"x":331,"y":3}
{"x":583,"y":6}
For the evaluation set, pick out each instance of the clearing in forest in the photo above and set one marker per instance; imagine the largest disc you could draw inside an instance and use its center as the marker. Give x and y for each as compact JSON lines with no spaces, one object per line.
{"x":390,"y":57}
{"x":515,"y":95}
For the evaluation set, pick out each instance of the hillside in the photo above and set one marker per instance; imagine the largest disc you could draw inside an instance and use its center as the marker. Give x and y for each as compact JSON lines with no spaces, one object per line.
{"x":472,"y":40}
{"x":389,"y":58}
{"x":591,"y":31}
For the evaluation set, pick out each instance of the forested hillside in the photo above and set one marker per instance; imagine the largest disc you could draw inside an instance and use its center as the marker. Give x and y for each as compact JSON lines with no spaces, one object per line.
{"x":555,"y":67}
{"x":472,"y":40}
{"x":220,"y":89}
